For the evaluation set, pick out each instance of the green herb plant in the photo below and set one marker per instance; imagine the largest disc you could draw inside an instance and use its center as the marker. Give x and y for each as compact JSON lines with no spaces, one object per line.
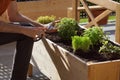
{"x":67,"y":27}
{"x":108,"y":49}
{"x":46,"y":19}
{"x":89,"y":38}
{"x":95,"y":34}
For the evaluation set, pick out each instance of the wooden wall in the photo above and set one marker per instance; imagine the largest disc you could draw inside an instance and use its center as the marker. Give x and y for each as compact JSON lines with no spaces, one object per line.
{"x":34,"y":9}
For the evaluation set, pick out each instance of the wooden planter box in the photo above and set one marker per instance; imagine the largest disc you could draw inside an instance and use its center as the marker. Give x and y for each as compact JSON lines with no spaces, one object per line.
{"x":59,"y":64}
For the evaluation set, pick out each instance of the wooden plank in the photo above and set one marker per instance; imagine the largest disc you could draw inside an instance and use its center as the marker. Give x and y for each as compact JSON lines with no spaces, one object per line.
{"x":74,"y":11}
{"x":98,"y":18}
{"x":34,"y":9}
{"x":57,"y":63}
{"x":89,"y":12}
{"x":70,"y":11}
{"x":117,"y":31}
{"x":90,"y":7}
{"x":109,"y":4}
{"x":105,"y":71}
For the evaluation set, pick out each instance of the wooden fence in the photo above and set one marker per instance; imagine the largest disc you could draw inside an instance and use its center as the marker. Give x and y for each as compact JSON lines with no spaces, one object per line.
{"x":34,"y":9}
{"x":110,"y":5}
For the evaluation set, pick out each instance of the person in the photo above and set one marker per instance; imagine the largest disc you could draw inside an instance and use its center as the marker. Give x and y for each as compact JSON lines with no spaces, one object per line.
{"x":23,"y":35}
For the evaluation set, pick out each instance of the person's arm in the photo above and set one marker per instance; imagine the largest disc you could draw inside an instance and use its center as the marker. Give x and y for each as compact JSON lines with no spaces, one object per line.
{"x":33,"y":32}
{"x":14,"y":15}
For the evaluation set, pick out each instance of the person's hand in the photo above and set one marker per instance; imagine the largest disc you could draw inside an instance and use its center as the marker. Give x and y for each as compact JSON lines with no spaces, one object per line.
{"x":50,"y":27}
{"x":34,"y":32}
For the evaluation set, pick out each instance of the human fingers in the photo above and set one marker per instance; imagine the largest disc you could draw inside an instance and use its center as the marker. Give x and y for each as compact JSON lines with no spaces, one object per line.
{"x":39,"y":35}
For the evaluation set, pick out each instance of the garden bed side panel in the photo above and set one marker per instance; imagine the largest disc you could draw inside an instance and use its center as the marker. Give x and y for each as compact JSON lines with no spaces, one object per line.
{"x":108,"y":70}
{"x":58,"y":64}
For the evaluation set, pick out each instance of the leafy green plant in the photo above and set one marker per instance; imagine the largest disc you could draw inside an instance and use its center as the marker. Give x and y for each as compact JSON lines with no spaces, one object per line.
{"x":67,"y":27}
{"x":79,"y":42}
{"x":46,"y":19}
{"x":89,"y":38}
{"x":108,"y":49}
{"x":95,"y":34}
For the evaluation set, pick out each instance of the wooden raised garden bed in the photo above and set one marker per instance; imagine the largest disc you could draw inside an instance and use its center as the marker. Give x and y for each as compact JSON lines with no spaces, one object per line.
{"x":59,"y":64}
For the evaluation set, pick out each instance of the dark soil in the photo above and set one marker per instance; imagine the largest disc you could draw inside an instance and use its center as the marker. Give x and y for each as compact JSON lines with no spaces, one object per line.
{"x":92,"y":55}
